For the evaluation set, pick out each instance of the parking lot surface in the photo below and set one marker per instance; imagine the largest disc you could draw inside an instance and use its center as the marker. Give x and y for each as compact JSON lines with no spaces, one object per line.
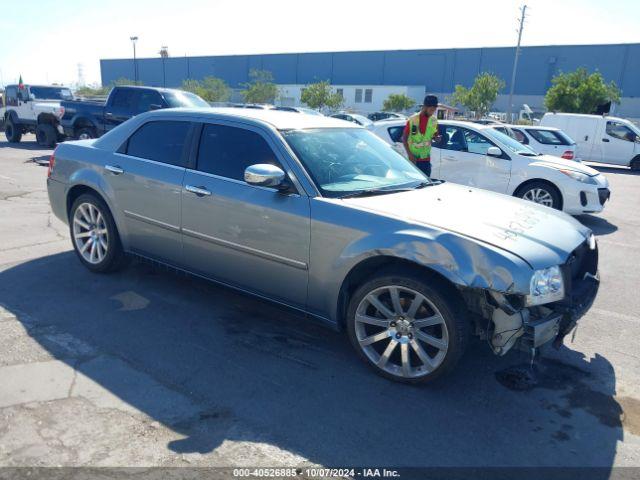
{"x":148,"y":367}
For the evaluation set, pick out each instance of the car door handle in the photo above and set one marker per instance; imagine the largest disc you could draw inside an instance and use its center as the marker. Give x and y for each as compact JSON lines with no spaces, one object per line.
{"x":108,"y":114}
{"x":450,"y":158}
{"x":200,"y":191}
{"x":115,"y":169}
{"x":605,"y":139}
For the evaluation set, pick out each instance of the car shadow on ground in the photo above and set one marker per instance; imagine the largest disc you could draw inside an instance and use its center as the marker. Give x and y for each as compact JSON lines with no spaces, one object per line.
{"x":300,"y":386}
{"x":599,"y":225}
{"x":24,"y":145}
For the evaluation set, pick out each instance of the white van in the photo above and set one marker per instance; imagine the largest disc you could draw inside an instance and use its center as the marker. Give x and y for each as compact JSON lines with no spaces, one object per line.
{"x":600,"y":138}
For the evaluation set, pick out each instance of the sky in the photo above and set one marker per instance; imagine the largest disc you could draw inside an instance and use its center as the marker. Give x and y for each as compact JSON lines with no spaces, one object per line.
{"x":45,"y":41}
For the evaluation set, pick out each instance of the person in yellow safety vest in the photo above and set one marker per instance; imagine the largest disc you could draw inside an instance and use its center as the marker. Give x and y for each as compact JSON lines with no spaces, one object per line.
{"x":421,"y":129}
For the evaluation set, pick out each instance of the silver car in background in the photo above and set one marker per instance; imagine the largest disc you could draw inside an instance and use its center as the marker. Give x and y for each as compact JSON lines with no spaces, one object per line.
{"x":325,"y":218}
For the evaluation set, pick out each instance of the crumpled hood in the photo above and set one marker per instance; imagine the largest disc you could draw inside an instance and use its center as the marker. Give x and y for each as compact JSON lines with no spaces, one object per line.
{"x":539,"y":235}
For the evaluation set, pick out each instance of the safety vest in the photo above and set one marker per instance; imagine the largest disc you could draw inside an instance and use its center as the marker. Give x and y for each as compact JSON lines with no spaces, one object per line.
{"x":420,"y":143}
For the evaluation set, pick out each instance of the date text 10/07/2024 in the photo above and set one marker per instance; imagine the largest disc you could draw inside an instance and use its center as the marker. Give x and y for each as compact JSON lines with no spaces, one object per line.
{"x":316,"y":472}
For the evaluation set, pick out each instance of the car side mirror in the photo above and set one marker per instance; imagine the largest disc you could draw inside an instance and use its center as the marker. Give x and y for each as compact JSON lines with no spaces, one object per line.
{"x":266,"y":175}
{"x":494,"y":152}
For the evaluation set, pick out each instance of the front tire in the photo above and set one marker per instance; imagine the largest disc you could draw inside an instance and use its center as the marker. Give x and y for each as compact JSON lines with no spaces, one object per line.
{"x":13,"y":133}
{"x":94,"y":234}
{"x":46,"y":135}
{"x":407,"y":328}
{"x":542,"y":193}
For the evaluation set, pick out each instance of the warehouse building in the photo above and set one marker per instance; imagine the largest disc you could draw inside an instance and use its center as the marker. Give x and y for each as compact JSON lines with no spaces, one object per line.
{"x":367,"y":78}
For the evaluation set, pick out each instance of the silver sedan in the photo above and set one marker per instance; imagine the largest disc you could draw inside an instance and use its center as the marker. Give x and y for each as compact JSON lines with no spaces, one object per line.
{"x":324,"y":218}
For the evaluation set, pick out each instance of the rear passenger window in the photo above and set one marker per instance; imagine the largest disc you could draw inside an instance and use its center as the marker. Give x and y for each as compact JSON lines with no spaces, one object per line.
{"x":547,"y":137}
{"x":162,"y":141}
{"x":228,"y":151}
{"x":520,"y":137}
{"x":122,"y":98}
{"x":396,"y":133}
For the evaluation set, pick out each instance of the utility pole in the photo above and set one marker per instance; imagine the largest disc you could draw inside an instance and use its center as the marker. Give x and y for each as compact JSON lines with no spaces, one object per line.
{"x":515,"y":65}
{"x":135,"y":61}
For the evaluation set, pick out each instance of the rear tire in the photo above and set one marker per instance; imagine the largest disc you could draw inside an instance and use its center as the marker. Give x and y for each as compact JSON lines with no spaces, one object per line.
{"x":416,"y":338}
{"x":13,"y":133}
{"x":94,"y":235}
{"x":542,"y":193}
{"x":46,"y":135}
{"x":85,"y":133}
{"x":635,"y":164}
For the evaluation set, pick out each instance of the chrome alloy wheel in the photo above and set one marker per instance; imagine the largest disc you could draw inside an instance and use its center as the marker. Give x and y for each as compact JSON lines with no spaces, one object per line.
{"x":90,"y":233}
{"x":401,"y":331}
{"x":539,"y":195}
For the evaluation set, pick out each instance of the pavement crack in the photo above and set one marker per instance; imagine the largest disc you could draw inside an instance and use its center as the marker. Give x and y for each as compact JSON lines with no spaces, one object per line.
{"x":12,"y":195}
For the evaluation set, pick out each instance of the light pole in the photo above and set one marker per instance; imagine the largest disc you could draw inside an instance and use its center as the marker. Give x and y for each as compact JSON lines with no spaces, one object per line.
{"x":135,"y":62}
{"x":515,"y":66}
{"x":164,"y":53}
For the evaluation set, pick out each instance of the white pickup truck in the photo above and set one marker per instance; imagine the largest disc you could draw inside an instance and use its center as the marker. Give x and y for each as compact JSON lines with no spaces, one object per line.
{"x":34,"y":109}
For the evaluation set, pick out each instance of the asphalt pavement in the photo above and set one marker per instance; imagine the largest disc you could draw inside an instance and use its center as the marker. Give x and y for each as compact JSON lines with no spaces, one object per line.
{"x":147,"y":367}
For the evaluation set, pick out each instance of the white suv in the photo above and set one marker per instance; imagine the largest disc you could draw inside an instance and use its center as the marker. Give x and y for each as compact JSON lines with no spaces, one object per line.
{"x":479,"y":156}
{"x":34,"y":109}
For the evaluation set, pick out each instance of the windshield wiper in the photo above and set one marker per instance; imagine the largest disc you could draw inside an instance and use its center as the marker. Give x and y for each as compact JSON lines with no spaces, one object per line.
{"x":367,"y":193}
{"x":383,"y":191}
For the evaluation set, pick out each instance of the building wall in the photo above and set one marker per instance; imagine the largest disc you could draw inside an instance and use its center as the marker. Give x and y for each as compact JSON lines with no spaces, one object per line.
{"x":437,"y":70}
{"x":290,"y":95}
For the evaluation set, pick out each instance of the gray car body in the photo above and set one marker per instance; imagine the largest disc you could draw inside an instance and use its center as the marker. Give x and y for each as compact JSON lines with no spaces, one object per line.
{"x":300,"y":249}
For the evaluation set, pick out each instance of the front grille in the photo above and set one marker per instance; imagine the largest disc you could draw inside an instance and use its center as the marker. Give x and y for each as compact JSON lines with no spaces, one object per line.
{"x":603,"y":195}
{"x":581,"y":261}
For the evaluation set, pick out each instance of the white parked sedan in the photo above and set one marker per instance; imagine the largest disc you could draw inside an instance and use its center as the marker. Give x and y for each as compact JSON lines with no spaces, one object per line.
{"x":547,"y":140}
{"x":479,"y":156}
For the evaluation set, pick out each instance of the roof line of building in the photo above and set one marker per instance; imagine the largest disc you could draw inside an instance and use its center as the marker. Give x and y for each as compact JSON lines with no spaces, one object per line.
{"x":385,"y":51}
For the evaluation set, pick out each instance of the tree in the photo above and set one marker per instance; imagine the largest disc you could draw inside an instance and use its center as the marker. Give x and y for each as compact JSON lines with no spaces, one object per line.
{"x":261,"y":88}
{"x":92,"y":91}
{"x":319,"y":95}
{"x":190,"y":85}
{"x":580,"y":92}
{"x":481,"y":95}
{"x":398,"y":102}
{"x":215,"y":90}
{"x":124,"y":81}
{"x":211,"y":89}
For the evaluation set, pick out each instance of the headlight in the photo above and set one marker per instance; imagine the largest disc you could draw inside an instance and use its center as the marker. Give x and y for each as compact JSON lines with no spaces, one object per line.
{"x":546,"y":286}
{"x":581,"y":177}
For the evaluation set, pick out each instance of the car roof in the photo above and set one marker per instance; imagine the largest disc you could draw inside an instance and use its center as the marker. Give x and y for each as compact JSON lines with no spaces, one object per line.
{"x":528,"y":127}
{"x":281,"y":120}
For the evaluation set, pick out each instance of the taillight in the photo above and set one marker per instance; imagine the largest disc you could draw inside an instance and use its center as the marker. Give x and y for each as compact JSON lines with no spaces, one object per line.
{"x":52,"y":161}
{"x":568,"y":155}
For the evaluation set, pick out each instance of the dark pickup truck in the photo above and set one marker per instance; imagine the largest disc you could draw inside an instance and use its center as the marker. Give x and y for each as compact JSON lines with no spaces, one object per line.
{"x":84,"y":119}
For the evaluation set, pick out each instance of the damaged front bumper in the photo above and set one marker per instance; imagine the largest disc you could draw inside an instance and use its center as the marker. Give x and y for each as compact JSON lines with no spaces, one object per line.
{"x":514,"y":325}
